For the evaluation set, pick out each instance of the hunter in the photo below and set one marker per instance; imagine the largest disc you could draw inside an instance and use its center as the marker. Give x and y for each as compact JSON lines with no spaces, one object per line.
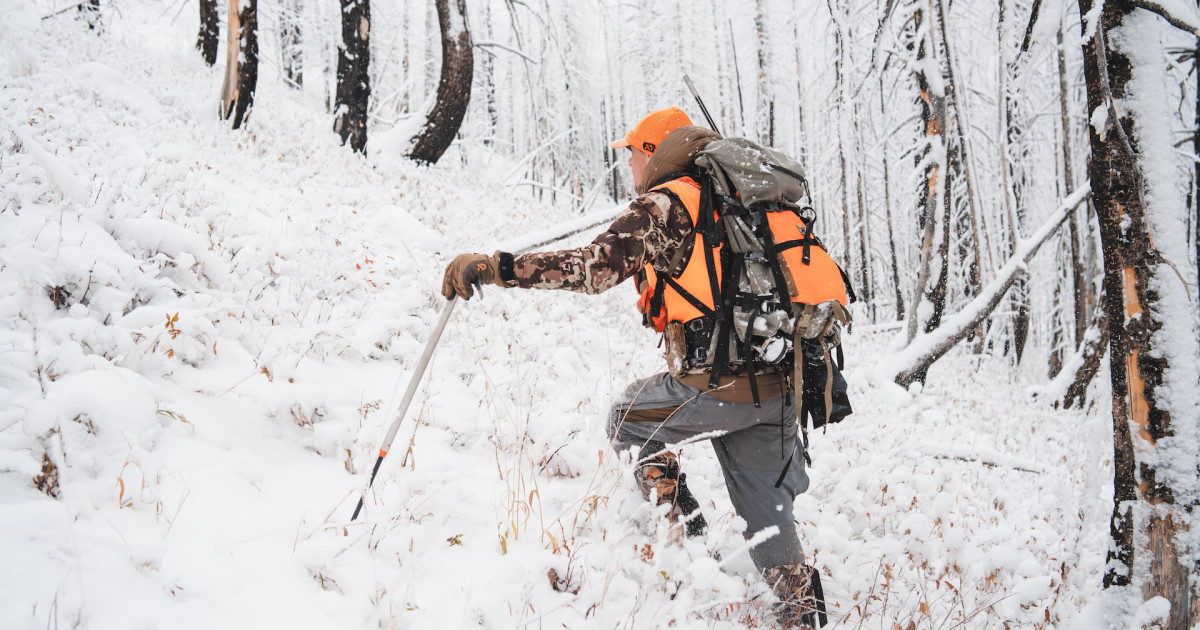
{"x":760,"y":450}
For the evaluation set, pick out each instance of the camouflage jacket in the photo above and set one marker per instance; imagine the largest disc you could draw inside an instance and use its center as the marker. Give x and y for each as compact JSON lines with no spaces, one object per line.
{"x":647,"y":232}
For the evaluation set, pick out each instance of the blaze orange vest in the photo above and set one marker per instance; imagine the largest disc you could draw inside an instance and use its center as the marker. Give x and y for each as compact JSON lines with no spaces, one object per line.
{"x":817,"y":280}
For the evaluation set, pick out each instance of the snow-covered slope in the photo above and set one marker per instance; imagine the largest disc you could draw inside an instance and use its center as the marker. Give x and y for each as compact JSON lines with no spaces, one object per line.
{"x":204,"y":331}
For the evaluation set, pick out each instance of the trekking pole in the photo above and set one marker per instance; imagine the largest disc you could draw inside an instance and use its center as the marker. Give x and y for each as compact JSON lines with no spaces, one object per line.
{"x":413,"y":382}
{"x":533,"y":241}
{"x":703,"y":109}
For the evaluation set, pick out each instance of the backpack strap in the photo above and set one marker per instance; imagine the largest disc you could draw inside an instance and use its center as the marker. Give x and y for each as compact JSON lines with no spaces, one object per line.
{"x":748,"y":358}
{"x":842,"y":315}
{"x":685,"y":294}
{"x":849,"y":285}
{"x":772,"y":252}
{"x":802,"y":321}
{"x":720,"y":364}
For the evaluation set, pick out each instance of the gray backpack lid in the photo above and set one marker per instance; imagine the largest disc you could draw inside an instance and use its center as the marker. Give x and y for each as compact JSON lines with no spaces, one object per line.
{"x":758,"y":173}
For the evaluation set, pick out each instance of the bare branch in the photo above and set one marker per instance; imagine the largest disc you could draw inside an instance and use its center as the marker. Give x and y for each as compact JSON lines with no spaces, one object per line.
{"x":1033,"y":16}
{"x":506,"y":48}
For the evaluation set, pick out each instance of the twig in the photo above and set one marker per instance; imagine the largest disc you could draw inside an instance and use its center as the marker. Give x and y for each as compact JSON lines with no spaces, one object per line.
{"x":58,"y":13}
{"x":987,"y":463}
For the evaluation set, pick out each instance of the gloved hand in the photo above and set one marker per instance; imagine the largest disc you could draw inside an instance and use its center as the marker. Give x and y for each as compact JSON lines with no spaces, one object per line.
{"x":470,"y":271}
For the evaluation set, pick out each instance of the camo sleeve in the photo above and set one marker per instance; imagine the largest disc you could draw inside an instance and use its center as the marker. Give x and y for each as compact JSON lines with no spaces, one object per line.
{"x":652,"y":227}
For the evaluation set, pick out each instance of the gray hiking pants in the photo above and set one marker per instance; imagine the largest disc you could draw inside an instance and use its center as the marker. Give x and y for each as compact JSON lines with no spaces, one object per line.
{"x":760,"y":452}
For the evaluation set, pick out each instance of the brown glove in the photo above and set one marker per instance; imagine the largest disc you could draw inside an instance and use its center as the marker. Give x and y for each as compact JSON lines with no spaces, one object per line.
{"x":470,"y":271}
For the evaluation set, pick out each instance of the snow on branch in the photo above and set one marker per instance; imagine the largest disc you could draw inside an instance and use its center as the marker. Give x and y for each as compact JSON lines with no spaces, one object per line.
{"x":1176,"y":13}
{"x":904,"y":365}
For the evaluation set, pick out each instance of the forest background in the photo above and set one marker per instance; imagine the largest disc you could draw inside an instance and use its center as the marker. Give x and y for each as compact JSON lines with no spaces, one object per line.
{"x":949,"y":147}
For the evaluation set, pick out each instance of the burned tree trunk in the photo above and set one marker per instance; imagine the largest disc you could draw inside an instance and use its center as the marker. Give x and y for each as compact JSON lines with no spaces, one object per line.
{"x":1153,"y":465}
{"x":933,"y":156}
{"x":454,"y":88}
{"x":353,"y":82}
{"x":241,"y":63}
{"x":1093,"y":355}
{"x":208,"y":39}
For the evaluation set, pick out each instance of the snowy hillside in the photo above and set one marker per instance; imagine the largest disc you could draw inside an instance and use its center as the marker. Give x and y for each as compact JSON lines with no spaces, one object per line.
{"x":204,"y":331}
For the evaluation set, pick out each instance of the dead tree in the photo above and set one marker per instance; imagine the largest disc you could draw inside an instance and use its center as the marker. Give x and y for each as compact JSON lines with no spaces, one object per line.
{"x":208,"y":40}
{"x":241,"y":63}
{"x":914,"y":360}
{"x":353,"y":82}
{"x":1154,"y":463}
{"x":454,"y":88}
{"x":933,"y":159}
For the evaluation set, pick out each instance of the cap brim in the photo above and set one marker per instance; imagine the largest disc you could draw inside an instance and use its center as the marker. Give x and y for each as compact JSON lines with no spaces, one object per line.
{"x":617,"y":144}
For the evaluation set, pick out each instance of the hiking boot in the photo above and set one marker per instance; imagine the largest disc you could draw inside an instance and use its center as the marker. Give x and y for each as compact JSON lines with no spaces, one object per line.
{"x":661,"y":475}
{"x":801,"y":600}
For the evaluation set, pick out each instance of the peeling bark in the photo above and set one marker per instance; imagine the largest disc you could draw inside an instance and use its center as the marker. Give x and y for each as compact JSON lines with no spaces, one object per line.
{"x":1144,"y":553}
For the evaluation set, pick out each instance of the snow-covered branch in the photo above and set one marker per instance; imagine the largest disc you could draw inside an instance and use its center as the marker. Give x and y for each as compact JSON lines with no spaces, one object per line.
{"x":903,"y":366}
{"x":1176,"y":13}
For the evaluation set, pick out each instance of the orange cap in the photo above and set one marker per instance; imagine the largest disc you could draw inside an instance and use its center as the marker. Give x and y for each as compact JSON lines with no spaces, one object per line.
{"x":653,"y":128}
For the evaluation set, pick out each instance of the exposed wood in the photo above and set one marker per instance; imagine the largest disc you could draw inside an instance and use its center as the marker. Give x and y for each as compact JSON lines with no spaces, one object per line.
{"x":241,"y":62}
{"x":1143,"y":524}
{"x":933,"y":122}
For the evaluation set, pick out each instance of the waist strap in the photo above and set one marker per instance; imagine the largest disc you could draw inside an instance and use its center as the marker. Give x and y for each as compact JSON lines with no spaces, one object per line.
{"x":736,"y":389}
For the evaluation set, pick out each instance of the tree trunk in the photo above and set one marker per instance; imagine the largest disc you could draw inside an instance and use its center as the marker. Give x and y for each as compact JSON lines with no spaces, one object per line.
{"x":1080,"y":284}
{"x":290,"y":44}
{"x":1093,"y":354}
{"x":1196,"y":167}
{"x":1015,"y":125}
{"x":764,"y":110}
{"x":241,"y":63}
{"x":353,"y":81}
{"x":208,"y":40}
{"x":933,"y":122}
{"x":863,"y":260}
{"x":887,"y":204}
{"x":454,"y":88}
{"x":974,"y":266}
{"x":1146,"y":519}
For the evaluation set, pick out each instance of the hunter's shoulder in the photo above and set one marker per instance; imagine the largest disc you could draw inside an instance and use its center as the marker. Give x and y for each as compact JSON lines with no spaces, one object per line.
{"x":651,"y":207}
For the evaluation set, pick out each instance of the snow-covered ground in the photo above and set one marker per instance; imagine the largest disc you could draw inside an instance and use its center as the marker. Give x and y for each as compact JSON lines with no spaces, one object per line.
{"x":204,"y":331}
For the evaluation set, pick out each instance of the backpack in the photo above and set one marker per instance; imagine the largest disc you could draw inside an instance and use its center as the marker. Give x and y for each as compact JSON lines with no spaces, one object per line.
{"x":782,"y":299}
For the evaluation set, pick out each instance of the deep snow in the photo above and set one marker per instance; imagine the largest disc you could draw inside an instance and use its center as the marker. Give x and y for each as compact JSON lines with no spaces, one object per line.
{"x":204,"y":330}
